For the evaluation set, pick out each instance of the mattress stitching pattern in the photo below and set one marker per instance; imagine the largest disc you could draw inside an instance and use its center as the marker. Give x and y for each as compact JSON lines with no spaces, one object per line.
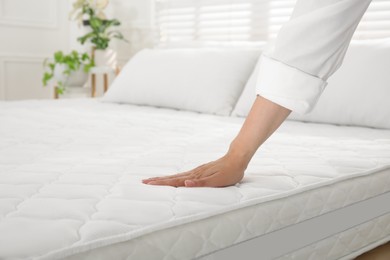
{"x":345,"y":243}
{"x":246,"y":221}
{"x":24,"y":211}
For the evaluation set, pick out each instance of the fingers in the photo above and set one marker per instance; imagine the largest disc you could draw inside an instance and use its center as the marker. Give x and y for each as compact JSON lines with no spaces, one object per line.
{"x":166,"y":177}
{"x":196,"y":171}
{"x":177,"y":182}
{"x":202,"y":176}
{"x":220,"y":173}
{"x":212,"y":180}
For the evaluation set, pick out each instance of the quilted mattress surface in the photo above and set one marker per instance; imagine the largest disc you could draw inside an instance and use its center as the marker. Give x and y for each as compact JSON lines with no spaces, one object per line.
{"x":71,"y":171}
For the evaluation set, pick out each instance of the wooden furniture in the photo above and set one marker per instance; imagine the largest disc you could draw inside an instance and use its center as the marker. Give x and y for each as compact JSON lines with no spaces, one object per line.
{"x":380,"y":253}
{"x":105,"y":71}
{"x":56,"y":95}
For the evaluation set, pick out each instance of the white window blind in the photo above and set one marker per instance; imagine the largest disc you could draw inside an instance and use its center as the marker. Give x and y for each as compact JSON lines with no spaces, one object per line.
{"x":246,"y":20}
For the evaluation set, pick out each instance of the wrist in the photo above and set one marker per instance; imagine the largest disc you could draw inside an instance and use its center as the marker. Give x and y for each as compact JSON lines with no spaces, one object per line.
{"x":239,"y":154}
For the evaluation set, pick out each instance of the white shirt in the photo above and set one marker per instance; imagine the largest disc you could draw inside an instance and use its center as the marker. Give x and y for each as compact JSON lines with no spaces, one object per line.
{"x":309,"y":48}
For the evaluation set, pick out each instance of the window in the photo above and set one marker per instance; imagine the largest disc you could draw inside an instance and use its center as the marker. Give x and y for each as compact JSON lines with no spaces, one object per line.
{"x":232,"y":21}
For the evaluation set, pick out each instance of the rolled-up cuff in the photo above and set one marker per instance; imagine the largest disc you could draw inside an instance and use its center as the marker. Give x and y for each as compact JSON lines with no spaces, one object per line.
{"x":288,"y":86}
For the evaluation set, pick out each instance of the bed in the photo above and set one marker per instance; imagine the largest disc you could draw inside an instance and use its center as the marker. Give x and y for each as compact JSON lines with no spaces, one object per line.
{"x":77,"y":192}
{"x":319,"y":188}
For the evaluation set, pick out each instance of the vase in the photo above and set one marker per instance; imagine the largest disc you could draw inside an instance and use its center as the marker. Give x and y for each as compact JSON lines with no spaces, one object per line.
{"x":105,"y":58}
{"x":75,"y":79}
{"x":58,"y":73}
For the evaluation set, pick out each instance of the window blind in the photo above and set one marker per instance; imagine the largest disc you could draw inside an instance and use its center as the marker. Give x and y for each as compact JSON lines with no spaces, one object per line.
{"x":246,"y":20}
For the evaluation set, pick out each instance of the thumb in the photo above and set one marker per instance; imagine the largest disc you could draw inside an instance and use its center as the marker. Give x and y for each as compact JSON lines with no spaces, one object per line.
{"x":203,"y":182}
{"x":192,"y":183}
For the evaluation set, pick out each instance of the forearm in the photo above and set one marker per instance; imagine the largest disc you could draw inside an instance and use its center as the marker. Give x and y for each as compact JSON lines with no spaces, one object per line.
{"x":262,"y":121}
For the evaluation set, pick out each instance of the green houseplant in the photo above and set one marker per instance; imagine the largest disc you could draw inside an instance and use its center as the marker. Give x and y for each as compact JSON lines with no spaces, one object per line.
{"x":100,"y":36}
{"x":80,"y":9}
{"x":91,"y":14}
{"x":63,"y":66}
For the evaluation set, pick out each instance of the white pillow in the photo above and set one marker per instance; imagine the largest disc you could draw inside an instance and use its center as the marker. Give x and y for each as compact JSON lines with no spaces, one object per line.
{"x":357,"y":94}
{"x":200,"y":80}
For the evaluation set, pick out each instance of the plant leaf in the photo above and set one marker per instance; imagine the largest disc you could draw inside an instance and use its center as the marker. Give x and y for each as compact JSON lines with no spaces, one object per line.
{"x":84,"y":38}
{"x":46,"y":77}
{"x":58,"y":56}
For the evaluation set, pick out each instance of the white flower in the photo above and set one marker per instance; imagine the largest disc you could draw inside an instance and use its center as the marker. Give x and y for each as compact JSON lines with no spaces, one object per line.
{"x":97,"y":6}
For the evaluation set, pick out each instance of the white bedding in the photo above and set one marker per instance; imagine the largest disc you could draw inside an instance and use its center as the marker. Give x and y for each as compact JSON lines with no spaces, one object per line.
{"x":71,"y":175}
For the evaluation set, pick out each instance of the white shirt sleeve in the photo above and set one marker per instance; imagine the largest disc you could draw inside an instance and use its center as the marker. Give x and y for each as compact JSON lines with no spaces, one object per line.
{"x":309,"y":48}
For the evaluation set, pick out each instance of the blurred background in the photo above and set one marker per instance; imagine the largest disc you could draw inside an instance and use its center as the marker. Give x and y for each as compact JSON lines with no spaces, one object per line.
{"x":33,"y":30}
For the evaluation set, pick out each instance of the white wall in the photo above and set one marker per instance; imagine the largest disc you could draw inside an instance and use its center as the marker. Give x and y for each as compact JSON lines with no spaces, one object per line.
{"x":137,"y":25}
{"x":30,"y":30}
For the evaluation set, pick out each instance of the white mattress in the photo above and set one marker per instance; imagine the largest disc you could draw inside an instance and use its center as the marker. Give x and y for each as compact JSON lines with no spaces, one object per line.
{"x":71,"y":170}
{"x":341,"y":233}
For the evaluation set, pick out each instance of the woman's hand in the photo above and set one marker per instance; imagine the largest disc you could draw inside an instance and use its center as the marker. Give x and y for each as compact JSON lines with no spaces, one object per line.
{"x":263,"y":119}
{"x":223,"y":172}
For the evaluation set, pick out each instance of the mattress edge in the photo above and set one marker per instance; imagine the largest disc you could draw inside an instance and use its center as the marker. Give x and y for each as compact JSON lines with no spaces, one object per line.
{"x":77,"y":249}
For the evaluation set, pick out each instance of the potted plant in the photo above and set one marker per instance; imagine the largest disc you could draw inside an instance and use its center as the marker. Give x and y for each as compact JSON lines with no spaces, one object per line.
{"x":79,"y":14}
{"x":91,"y":13}
{"x":67,"y":70}
{"x":80,"y":10}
